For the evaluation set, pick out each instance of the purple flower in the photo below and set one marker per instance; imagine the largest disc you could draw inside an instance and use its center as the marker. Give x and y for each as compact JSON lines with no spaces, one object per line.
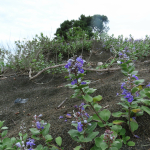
{"x":134,"y":118}
{"x":30,"y":142}
{"x":40,"y":115}
{"x":75,"y":106}
{"x":79,"y":59}
{"x":65,"y":120}
{"x":18,"y":144}
{"x":117,"y":94}
{"x":60,"y":117}
{"x":120,"y":54}
{"x":79,"y":127}
{"x":68,"y":114}
{"x":83,"y":82}
{"x":74,"y":82}
{"x":87,"y":115}
{"x":148,"y":85}
{"x":136,"y":136}
{"x":134,"y":76}
{"x":137,"y":94}
{"x":122,"y":85}
{"x":38,"y":125}
{"x":130,"y":99}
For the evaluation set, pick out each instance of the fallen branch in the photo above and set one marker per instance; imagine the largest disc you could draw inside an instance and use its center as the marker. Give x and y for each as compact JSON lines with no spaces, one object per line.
{"x":101,"y":70}
{"x":30,"y":72}
{"x":61,"y":104}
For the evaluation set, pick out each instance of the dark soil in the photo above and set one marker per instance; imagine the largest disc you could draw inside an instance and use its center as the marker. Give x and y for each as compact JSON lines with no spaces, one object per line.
{"x":44,"y":99}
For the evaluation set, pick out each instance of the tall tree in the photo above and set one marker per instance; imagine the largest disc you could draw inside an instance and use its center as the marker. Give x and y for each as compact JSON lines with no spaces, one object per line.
{"x":89,"y":24}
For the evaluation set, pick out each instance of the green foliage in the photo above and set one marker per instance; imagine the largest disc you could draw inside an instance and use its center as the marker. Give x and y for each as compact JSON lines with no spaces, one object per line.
{"x":89,"y":23}
{"x":10,"y":143}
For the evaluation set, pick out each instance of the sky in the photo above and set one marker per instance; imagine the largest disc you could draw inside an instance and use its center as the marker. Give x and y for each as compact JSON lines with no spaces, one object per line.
{"x":21,"y":19}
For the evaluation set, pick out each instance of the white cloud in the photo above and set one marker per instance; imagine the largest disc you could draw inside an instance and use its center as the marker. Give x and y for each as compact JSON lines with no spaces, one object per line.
{"x":25,"y":18}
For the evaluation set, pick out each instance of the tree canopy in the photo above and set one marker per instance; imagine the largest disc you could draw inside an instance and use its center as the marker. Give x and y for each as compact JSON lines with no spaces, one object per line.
{"x":90,"y":24}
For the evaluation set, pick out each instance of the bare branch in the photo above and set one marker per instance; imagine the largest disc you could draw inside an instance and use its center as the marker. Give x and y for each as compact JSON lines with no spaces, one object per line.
{"x":31,"y":78}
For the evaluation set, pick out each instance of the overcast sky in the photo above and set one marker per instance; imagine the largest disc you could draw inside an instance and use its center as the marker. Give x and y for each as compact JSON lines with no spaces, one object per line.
{"x":25,"y":18}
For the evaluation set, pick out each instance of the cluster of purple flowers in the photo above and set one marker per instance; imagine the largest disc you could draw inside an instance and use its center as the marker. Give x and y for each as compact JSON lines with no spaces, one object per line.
{"x":38,"y":124}
{"x":81,"y":117}
{"x":29,"y":143}
{"x":75,"y":66}
{"x":123,"y":55}
{"x":128,"y":95}
{"x":108,"y":138}
{"x":126,"y":86}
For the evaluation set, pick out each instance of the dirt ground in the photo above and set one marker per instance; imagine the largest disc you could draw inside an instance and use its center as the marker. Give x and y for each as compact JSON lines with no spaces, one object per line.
{"x":44,"y":99}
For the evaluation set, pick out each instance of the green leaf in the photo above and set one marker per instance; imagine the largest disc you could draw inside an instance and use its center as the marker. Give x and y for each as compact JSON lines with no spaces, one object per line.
{"x":147,"y":94}
{"x":90,"y":91}
{"x":134,"y":125}
{"x":114,"y":148}
{"x":134,"y":72}
{"x":125,"y":139}
{"x":45,"y":131}
{"x":25,"y":136}
{"x":100,"y":124}
{"x":146,"y":109}
{"x":92,"y":135}
{"x":77,"y":148}
{"x":116,"y":128}
{"x":3,"y":128}
{"x":142,"y":93}
{"x":88,"y":98}
{"x":90,"y":128}
{"x":97,"y":98}
{"x":13,"y":140}
{"x":1,"y":123}
{"x":147,"y":90}
{"x":130,"y":143}
{"x":124,"y":65}
{"x":4,"y":133}
{"x":34,"y":131}
{"x":134,"y":89}
{"x":117,"y":114}
{"x":34,"y":137}
{"x":95,"y":117}
{"x":20,"y":134}
{"x":122,"y":131}
{"x":99,"y":143}
{"x":118,"y":122}
{"x":131,"y":69}
{"x":74,"y":133}
{"x":139,"y":81}
{"x":39,"y":147}
{"x":58,"y":140}
{"x":105,"y":114}
{"x":147,"y":102}
{"x":48,"y":138}
{"x":7,"y":142}
{"x":97,"y":107}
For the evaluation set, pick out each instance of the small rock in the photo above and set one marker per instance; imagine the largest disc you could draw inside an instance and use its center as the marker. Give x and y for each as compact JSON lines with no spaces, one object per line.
{"x":19,"y":100}
{"x":99,"y":63}
{"x":68,"y":116}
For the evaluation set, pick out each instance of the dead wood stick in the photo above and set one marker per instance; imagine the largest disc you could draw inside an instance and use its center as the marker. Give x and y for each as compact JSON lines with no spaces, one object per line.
{"x":61,"y":103}
{"x":13,"y":121}
{"x":44,"y":70}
